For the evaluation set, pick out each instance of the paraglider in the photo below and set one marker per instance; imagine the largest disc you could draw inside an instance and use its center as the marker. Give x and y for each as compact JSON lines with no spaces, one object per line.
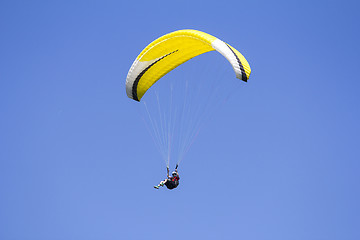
{"x":172,"y":181}
{"x":169,"y":51}
{"x":154,"y":62}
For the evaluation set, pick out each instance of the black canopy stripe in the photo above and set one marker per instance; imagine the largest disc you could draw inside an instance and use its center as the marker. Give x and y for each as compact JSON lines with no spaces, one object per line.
{"x":136,"y":82}
{"x":243,"y":74}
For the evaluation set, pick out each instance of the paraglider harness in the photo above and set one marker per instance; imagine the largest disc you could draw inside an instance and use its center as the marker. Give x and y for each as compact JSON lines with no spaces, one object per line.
{"x":172,"y":182}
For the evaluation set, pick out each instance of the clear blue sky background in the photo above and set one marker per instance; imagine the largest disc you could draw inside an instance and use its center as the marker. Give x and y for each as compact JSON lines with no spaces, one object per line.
{"x":281,"y":160}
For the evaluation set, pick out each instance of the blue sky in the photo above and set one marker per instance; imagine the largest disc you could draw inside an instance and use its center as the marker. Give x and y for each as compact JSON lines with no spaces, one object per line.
{"x":280,"y":160}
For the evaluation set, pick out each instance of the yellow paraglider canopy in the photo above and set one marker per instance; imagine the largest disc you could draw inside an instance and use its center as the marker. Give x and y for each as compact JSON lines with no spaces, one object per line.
{"x":169,"y":51}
